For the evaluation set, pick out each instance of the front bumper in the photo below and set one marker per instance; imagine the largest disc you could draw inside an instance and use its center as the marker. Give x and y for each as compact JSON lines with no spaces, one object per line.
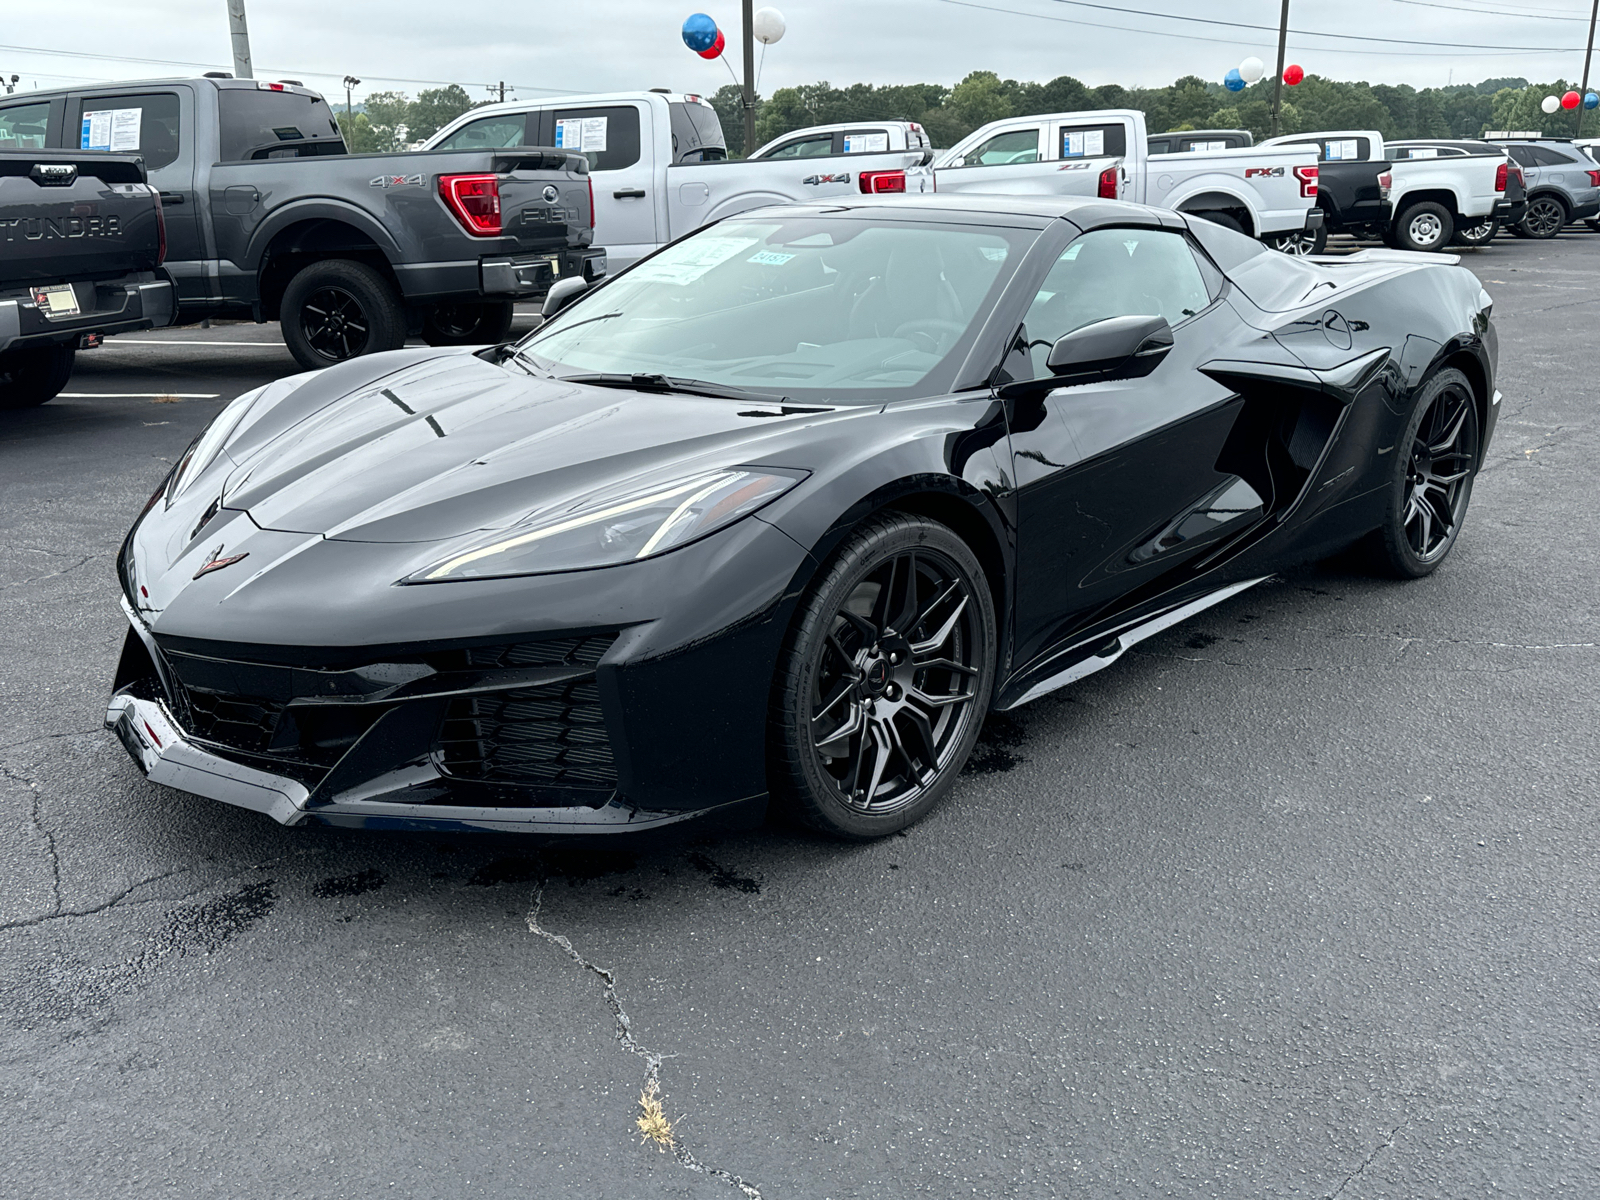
{"x":144,"y":301}
{"x":1589,"y":208}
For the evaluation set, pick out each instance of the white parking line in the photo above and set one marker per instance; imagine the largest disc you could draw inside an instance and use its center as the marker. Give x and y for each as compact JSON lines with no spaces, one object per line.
{"x":180,"y":342}
{"x":138,"y":395}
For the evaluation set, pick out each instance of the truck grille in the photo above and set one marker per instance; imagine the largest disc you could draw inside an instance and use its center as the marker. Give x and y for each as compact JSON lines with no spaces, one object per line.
{"x":551,"y":736}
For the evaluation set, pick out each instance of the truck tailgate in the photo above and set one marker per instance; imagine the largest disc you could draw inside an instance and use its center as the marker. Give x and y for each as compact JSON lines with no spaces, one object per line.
{"x":67,"y":216}
{"x":544,"y":203}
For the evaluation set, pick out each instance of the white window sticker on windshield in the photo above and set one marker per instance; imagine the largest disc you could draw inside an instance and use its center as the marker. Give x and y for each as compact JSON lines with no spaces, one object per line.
{"x":594,"y":134}
{"x":769,"y":258}
{"x":569,"y":133}
{"x":993,"y":253}
{"x":865,"y":143}
{"x":686,"y":262}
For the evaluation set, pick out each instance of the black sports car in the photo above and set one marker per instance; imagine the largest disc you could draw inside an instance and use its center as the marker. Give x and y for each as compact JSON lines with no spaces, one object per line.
{"x":782,"y":511}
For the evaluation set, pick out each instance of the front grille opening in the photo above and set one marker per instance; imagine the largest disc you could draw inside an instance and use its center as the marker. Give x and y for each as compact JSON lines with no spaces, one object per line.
{"x":553,"y":652}
{"x":323,"y":732}
{"x":551,"y":736}
{"x":242,"y":722}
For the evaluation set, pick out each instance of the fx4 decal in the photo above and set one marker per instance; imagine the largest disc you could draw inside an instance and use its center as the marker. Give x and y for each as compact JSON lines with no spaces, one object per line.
{"x":392,"y":181}
{"x":818,"y":179}
{"x":1262,"y":172}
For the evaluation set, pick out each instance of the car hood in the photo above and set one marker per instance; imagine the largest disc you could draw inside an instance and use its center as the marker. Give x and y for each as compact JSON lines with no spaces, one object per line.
{"x":440,"y":445}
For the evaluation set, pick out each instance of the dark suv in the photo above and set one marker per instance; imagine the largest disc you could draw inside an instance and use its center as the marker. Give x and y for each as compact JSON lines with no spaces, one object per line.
{"x":1563,"y":185}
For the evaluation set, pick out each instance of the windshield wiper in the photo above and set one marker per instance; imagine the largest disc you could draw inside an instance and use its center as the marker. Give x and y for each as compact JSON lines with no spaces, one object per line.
{"x":661,"y":383}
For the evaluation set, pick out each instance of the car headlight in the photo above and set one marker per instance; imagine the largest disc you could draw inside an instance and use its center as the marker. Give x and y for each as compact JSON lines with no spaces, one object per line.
{"x":618,"y":529}
{"x":204,"y":450}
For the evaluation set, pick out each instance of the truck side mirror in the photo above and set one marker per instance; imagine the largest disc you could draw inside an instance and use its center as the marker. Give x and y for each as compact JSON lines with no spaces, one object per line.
{"x":563,"y":293}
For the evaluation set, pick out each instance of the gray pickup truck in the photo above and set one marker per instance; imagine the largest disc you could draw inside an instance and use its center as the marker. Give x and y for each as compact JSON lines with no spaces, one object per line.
{"x":81,"y":243}
{"x":269,"y":218}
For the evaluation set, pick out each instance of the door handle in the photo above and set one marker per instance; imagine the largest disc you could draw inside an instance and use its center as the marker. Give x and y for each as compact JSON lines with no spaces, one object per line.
{"x":171,"y":198}
{"x":629,"y":194}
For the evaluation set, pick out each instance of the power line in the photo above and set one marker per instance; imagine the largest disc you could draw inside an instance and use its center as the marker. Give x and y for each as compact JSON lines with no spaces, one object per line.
{"x":1489,"y":12}
{"x":1194,"y":37}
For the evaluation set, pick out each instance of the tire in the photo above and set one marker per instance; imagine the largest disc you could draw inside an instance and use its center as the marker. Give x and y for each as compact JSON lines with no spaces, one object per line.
{"x":1424,"y":228}
{"x":31,"y":377}
{"x":897,"y":710}
{"x":1423,"y":495}
{"x":336,"y":310}
{"x":1300,"y":243}
{"x":1544,"y":219}
{"x":1480,"y":234}
{"x":1223,"y":219}
{"x":1593,"y":223}
{"x":476,"y":323}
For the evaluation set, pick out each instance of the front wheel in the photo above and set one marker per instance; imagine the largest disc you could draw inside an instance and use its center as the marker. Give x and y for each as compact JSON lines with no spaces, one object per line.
{"x":338,"y":309}
{"x":1430,"y":483}
{"x":884,"y":680}
{"x":35,"y":375}
{"x":1301,"y":242}
{"x":1424,"y":228}
{"x":1479,"y":234}
{"x":475,"y":323}
{"x":1544,"y":218}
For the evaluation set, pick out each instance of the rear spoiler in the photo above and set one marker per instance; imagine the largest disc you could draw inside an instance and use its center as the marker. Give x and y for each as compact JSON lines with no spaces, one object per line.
{"x":539,"y":158}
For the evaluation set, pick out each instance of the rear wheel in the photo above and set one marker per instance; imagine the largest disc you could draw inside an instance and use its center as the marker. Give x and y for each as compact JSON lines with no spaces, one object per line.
{"x":1424,"y":227}
{"x":1480,"y":234}
{"x":1544,"y":218}
{"x":32,"y":376}
{"x":1223,"y":219}
{"x":478,"y":323}
{"x":1301,"y":242}
{"x":339,"y":309}
{"x":884,"y":680}
{"x":1430,"y":484}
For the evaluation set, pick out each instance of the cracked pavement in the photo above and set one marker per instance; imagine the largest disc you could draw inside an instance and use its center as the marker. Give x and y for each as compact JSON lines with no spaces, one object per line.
{"x":1296,"y":900}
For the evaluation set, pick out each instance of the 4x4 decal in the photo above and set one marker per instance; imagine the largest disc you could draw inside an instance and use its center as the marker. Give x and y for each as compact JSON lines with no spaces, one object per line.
{"x":389,"y":181}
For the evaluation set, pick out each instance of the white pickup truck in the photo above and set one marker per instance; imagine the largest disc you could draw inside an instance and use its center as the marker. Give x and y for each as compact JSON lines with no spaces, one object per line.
{"x":1430,"y":195}
{"x":847,"y":137}
{"x":1268,"y":193}
{"x":659,"y":165}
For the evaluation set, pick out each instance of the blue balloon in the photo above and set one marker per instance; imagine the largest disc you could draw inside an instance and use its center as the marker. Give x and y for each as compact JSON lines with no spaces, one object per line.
{"x":1591,"y":101}
{"x":699,"y":32}
{"x":1233,"y":81}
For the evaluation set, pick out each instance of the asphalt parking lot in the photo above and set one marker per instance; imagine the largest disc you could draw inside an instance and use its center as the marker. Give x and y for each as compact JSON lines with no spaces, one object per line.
{"x":1298,"y":900}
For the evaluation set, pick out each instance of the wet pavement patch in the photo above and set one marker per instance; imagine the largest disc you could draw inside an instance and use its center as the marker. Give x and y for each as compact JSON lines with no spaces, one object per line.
{"x":369,"y":880}
{"x":211,"y":925}
{"x":1002,"y":734}
{"x":1200,"y":641}
{"x":722,"y":877}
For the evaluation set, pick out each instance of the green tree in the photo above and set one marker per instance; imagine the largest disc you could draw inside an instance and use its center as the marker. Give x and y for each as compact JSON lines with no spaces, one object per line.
{"x":387,"y":112}
{"x":357,"y":133}
{"x":435,"y":108}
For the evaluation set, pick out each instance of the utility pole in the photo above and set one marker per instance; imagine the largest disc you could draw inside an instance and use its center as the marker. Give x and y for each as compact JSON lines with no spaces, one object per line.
{"x":241,"y":40}
{"x":1277,"y":82}
{"x":750,"y":79}
{"x":1594,"y":11}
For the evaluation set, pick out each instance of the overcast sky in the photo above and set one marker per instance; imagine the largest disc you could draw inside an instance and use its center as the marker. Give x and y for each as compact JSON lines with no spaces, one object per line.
{"x":600,"y":45}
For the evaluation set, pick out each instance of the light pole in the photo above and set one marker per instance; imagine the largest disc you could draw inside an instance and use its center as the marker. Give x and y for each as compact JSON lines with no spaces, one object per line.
{"x":1587,"y":55}
{"x":1277,"y":83}
{"x":241,"y":40}
{"x":11,"y":84}
{"x":350,"y":83}
{"x":750,"y":78}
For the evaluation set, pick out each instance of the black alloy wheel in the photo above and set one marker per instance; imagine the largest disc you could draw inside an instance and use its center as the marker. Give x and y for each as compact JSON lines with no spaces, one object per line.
{"x":337,"y":309}
{"x":1545,"y":217}
{"x":1302,"y":242}
{"x":1431,"y":485}
{"x":31,"y":376}
{"x":1480,"y":234}
{"x":885,"y":680}
{"x":469,"y":323}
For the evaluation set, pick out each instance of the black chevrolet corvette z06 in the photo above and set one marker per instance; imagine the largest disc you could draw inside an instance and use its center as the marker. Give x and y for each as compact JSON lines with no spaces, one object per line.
{"x":780,"y":513}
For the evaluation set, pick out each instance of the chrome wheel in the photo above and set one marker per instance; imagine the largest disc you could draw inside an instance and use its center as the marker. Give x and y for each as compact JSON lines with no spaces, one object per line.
{"x":1438,"y":476}
{"x":1298,"y":244}
{"x":894,"y":693}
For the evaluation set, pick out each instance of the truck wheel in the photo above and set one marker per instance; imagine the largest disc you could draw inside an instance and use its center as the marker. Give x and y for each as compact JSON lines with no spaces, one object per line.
{"x":1424,"y":227}
{"x":1544,"y":218}
{"x":1223,"y":219}
{"x":1301,"y":242}
{"x":478,"y":323}
{"x":1480,"y":234}
{"x":32,"y":376}
{"x":338,"y":309}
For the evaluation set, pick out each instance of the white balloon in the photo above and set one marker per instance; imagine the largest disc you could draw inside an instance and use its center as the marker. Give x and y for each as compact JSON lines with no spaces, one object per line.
{"x":1252,"y":69}
{"x":1550,"y":103}
{"x":767,"y":25}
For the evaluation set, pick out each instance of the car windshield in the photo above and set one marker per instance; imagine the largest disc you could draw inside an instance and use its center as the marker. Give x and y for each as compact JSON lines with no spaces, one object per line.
{"x":805,"y":307}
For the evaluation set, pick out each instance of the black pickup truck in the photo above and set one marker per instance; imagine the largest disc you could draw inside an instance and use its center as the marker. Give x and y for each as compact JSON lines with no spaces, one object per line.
{"x":81,"y":243}
{"x":269,"y":218}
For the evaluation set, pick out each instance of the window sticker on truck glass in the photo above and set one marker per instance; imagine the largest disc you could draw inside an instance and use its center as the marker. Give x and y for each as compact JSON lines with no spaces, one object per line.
{"x":865,"y":143}
{"x":594,"y":134}
{"x":1083,"y":143}
{"x":687,"y":261}
{"x":1210,"y":146}
{"x":111,"y":129}
{"x":1340,"y":151}
{"x":569,"y":133}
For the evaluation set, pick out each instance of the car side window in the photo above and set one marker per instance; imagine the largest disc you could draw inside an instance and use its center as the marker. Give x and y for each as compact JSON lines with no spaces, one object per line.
{"x":146,"y":125}
{"x":23,"y":126}
{"x":608,"y":137}
{"x":1522,"y":155}
{"x":1114,"y":273}
{"x":1003,"y":149}
{"x":810,"y":147}
{"x":1545,"y":157}
{"x":490,"y":133}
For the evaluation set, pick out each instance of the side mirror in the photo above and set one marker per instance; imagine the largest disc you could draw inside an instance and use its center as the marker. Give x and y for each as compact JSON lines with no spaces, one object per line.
{"x":563,"y":293}
{"x":1116,"y":348}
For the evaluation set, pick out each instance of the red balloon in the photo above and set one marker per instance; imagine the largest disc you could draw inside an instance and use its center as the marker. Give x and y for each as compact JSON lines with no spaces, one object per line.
{"x":1293,"y":74}
{"x":716,"y":47}
{"x":1571,"y":100}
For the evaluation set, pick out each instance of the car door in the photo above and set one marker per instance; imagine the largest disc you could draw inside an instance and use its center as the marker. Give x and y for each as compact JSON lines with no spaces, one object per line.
{"x":1006,"y":161}
{"x":158,"y":124}
{"x":1118,"y":482}
{"x":1524,"y":157}
{"x":618,"y":140}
